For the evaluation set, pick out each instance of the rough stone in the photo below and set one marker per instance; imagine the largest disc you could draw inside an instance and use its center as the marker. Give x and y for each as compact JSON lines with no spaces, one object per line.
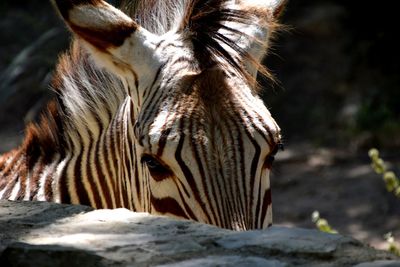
{"x":49,"y":234}
{"x":381,"y":263}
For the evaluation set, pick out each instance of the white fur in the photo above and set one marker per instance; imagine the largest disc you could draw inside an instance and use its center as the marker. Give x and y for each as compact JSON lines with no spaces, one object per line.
{"x":97,"y":16}
{"x":16,"y":188}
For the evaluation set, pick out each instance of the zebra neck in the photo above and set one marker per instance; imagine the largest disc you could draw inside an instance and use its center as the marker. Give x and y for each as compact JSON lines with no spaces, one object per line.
{"x":82,"y":151}
{"x":102,"y":164}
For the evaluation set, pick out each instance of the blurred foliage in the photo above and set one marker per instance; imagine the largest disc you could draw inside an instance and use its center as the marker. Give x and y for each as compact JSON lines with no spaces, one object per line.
{"x":322,"y":224}
{"x":339,"y":71}
{"x":393,"y":247}
{"x":392,"y":182}
{"x":392,"y":185}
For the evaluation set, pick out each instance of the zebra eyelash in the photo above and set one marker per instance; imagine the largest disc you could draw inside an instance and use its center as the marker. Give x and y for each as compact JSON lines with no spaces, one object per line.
{"x":158,"y":170}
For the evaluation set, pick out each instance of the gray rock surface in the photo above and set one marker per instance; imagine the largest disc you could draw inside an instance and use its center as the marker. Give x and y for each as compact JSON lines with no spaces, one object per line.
{"x":49,"y":234}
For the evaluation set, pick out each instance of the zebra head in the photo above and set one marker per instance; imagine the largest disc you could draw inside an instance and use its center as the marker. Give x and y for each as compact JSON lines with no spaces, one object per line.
{"x":202,"y":140}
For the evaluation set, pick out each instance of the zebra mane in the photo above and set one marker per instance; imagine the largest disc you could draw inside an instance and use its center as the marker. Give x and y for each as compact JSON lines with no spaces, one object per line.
{"x":156,"y":16}
{"x":86,"y":95}
{"x":201,"y":21}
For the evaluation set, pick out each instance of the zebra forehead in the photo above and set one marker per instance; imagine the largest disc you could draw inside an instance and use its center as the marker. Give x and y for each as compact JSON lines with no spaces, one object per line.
{"x":215,"y":123}
{"x":213,"y":95}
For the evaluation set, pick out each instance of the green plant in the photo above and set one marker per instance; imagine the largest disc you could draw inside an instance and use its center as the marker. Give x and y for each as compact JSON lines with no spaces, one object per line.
{"x":392,"y":182}
{"x":322,"y":224}
{"x":392,"y":244}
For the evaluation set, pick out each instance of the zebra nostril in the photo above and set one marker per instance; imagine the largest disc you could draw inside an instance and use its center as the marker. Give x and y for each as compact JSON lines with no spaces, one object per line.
{"x":158,"y":170}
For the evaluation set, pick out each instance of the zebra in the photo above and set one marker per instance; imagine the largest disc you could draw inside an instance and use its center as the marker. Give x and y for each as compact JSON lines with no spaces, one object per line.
{"x":157,"y":110}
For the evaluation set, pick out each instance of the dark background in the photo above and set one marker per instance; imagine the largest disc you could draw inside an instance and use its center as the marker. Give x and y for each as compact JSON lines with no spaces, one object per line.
{"x":338,"y":95}
{"x":339,"y":69}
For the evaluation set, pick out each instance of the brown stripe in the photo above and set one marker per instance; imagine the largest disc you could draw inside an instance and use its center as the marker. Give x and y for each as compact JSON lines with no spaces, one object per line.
{"x":188,"y":210}
{"x":102,"y":178}
{"x":81,"y":192}
{"x":242,"y":168}
{"x":23,"y":172}
{"x":109,"y":176}
{"x":10,"y":186}
{"x":267,"y":201}
{"x":253,"y":171}
{"x":236,"y":173}
{"x":114,"y":36}
{"x":35,"y":178}
{"x":137,"y":178}
{"x":258,"y":206}
{"x":168,"y":205}
{"x":200,"y":167}
{"x":150,"y":104}
{"x":89,"y":174}
{"x":63,"y":185}
{"x":48,"y":190}
{"x":11,"y":166}
{"x":118,"y":134}
{"x":186,"y":171}
{"x":113,"y":162}
{"x":156,"y":77}
{"x":216,"y":196}
{"x":163,"y":47}
{"x":163,"y":141}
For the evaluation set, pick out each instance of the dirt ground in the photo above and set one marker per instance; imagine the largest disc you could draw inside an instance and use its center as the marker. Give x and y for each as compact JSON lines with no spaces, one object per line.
{"x":341,"y":186}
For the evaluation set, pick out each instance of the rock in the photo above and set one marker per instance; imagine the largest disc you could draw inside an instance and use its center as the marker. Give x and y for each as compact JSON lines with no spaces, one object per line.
{"x":49,"y":234}
{"x":382,"y":263}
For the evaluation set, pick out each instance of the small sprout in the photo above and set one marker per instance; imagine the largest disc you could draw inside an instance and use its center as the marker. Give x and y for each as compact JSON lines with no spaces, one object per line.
{"x":397,"y":192}
{"x":392,"y":185}
{"x":322,"y":224}
{"x":378,"y":165}
{"x":315,"y":216}
{"x":373,"y":153}
{"x":391,"y":181}
{"x":389,"y":237}
{"x":392,"y":244}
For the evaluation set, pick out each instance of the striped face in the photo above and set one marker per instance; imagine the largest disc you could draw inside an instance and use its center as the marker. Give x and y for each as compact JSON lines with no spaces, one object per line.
{"x":209,"y":149}
{"x":203,"y":141}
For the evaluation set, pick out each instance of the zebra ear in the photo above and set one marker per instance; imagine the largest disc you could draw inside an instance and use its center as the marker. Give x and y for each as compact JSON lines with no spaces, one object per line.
{"x":259,"y":32}
{"x":105,"y":30}
{"x":234,"y":31}
{"x":275,"y":7}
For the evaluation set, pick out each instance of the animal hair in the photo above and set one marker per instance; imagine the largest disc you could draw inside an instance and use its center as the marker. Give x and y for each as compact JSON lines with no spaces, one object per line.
{"x":87,"y":93}
{"x":207,"y":24}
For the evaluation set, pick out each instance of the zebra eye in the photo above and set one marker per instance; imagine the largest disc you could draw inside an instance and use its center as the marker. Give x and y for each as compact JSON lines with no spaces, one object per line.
{"x":151,"y":162}
{"x":157,"y":170}
{"x":271,"y":157}
{"x":268,"y":161}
